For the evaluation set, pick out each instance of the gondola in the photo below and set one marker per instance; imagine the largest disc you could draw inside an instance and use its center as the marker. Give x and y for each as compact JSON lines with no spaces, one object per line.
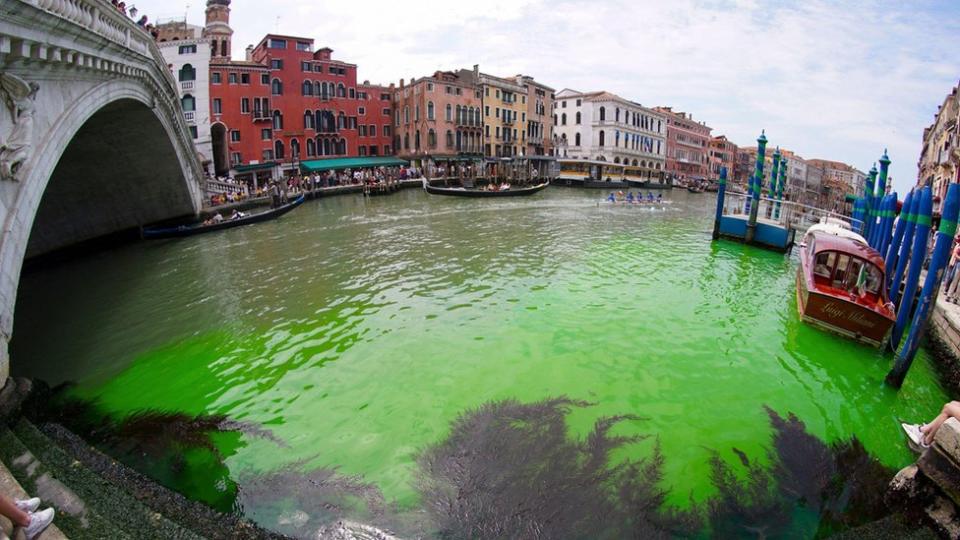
{"x":692,"y":189}
{"x":154,"y":233}
{"x":465,"y":192}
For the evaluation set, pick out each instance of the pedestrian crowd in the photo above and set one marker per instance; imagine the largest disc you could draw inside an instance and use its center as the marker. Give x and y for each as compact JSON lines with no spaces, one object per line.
{"x":143,"y":22}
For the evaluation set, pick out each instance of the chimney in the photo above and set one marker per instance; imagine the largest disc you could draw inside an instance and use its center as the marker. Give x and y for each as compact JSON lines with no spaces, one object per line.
{"x":401,"y":83}
{"x":476,"y":71}
{"x":249,"y":53}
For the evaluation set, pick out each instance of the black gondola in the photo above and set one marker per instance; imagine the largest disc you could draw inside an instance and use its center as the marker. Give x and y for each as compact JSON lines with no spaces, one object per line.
{"x":465,"y":192}
{"x":154,"y":233}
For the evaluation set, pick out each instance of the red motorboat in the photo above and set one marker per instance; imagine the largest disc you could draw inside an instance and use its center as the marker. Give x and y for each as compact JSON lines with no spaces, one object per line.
{"x":841,"y":285}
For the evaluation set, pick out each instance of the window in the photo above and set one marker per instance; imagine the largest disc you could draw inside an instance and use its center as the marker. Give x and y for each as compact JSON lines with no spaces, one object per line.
{"x":215,"y":77}
{"x":317,"y":68}
{"x":268,"y":155}
{"x":363,"y":130}
{"x":578,"y":103}
{"x":266,"y":134}
{"x":430,"y":115}
{"x":278,"y":149}
{"x":244,"y":78}
{"x":563,"y":104}
{"x":486,"y":110}
{"x":277,"y":120}
{"x":305,"y":66}
{"x":276,"y":88}
{"x":189,"y":103}
{"x":603,"y":115}
{"x":341,"y":90}
{"x":193,"y":131}
{"x":306,"y":88}
{"x":386,"y":131}
{"x":308,"y":120}
{"x":373,"y":130}
{"x":617,"y":115}
{"x":432,"y":139}
{"x":277,"y":43}
{"x":563,"y":119}
{"x":187,"y":73}
{"x":363,"y":150}
{"x":416,"y":140}
{"x":352,"y":94}
{"x":232,"y":78}
{"x":459,"y":91}
{"x":311,"y":148}
{"x":188,"y":49}
{"x":235,"y":135}
{"x":276,"y":63}
{"x":576,"y":138}
{"x":602,"y":134}
{"x":303,"y":46}
{"x":429,"y":87}
{"x":578,"y":118}
{"x":385,"y":112}
{"x":217,"y":106}
{"x":362,"y":111}
{"x":235,"y":158}
{"x":245,"y":105}
{"x":448,"y":89}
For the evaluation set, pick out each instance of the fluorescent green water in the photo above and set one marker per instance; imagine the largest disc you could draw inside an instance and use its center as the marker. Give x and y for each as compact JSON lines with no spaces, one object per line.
{"x":356,"y":330}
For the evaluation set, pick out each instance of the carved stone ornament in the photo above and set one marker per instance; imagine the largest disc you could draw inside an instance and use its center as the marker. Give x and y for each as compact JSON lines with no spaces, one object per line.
{"x":19,"y":96}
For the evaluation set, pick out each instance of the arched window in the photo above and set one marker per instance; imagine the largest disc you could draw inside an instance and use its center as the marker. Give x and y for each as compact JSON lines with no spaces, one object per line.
{"x":277,"y":120}
{"x":578,"y":118}
{"x":449,"y":113}
{"x":189,"y":103}
{"x":406,"y":141}
{"x":616,"y":160}
{"x":563,"y":119}
{"x":449,"y":138}
{"x":276,"y":87}
{"x":603,"y":113}
{"x":576,"y":138}
{"x":327,"y":147}
{"x":555,"y":120}
{"x":341,"y":121}
{"x":416,"y":140}
{"x":342,"y":147}
{"x":307,"y":88}
{"x":476,"y":116}
{"x":294,"y":148}
{"x":617,"y":118}
{"x":432,"y":138}
{"x":311,"y":148}
{"x":308,"y":120}
{"x":278,"y":150}
{"x":430,"y":111}
{"x":602,"y":134}
{"x":406,"y":114}
{"x":187,"y":73}
{"x":317,"y":89}
{"x":616,"y":138}
{"x":341,"y":90}
{"x":223,"y":48}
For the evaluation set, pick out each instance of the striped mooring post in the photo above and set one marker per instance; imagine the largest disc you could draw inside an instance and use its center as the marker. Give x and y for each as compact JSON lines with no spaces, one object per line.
{"x":881,"y":192}
{"x":887,"y":217}
{"x":721,"y":195}
{"x":890,"y":260}
{"x":868,"y":210}
{"x":774,"y":171}
{"x":906,"y":244}
{"x":754,"y":206}
{"x":931,"y":286}
{"x":781,"y":185}
{"x":917,"y":255}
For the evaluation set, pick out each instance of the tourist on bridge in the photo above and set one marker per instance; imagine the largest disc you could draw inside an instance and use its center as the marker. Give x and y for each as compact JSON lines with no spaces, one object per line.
{"x":922,"y":434}
{"x":23,"y":513}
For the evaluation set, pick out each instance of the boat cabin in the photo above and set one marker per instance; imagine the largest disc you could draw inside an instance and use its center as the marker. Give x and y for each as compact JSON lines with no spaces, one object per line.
{"x":846,"y":266}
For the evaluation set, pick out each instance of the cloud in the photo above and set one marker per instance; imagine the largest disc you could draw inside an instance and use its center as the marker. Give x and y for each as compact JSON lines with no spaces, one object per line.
{"x":837,"y":80}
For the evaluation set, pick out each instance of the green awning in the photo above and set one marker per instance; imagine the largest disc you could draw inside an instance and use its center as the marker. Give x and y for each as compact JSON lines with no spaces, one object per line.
{"x":851,"y":198}
{"x":255,"y":167}
{"x":350,"y":163}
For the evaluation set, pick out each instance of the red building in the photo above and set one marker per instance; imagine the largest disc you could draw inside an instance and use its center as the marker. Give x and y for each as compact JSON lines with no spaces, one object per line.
{"x":287,"y":103}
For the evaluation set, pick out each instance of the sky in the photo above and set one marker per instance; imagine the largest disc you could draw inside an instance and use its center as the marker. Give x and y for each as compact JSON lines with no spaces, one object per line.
{"x":834,"y":80}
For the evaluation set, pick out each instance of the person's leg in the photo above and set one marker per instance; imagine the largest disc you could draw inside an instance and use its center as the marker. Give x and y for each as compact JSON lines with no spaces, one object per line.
{"x":951,"y":409}
{"x":954,"y":282}
{"x":16,"y":515}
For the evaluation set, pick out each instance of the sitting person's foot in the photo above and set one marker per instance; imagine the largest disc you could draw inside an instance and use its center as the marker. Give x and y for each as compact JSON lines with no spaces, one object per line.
{"x":915,"y":435}
{"x":28,"y":505}
{"x":39,"y":521}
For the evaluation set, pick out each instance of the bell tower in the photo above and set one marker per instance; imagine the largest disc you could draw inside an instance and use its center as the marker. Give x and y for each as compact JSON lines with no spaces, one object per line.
{"x":218,"y":29}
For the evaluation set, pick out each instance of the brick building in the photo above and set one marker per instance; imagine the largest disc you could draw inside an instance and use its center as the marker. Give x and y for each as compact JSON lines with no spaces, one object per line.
{"x":722,"y":153}
{"x":939,"y":162}
{"x":288,"y":102}
{"x":687,"y":145}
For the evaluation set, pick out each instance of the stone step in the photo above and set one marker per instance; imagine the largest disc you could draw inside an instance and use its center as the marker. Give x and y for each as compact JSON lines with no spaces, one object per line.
{"x":74,"y":517}
{"x":191,"y":515}
{"x":11,"y":488}
{"x":108,"y":500}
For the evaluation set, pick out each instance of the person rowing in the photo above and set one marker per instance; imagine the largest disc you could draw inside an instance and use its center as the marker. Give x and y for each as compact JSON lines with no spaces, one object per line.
{"x":630,"y":197}
{"x":650,"y":196}
{"x":611,"y":198}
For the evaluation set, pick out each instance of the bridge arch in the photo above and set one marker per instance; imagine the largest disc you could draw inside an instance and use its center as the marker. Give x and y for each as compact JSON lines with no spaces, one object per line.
{"x":111,"y":161}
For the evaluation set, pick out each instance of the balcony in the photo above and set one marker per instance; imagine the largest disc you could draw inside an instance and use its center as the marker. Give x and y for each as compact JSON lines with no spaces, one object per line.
{"x":259,"y":115}
{"x":187,"y":86}
{"x":535,"y":139}
{"x":507,"y":121}
{"x":189,"y":116}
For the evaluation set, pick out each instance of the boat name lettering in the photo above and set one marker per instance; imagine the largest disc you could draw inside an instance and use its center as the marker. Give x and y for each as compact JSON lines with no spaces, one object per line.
{"x":833,"y":311}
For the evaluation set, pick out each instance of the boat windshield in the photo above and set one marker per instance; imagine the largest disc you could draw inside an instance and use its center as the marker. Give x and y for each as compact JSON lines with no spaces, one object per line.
{"x":848,"y":273}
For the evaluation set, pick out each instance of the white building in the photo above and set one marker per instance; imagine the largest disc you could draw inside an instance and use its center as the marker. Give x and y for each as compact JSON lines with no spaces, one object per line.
{"x":188,"y":57}
{"x":605,"y":127}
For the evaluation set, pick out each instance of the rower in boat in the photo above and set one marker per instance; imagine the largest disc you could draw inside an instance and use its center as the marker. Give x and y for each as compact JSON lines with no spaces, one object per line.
{"x":611,"y":198}
{"x":630,"y":197}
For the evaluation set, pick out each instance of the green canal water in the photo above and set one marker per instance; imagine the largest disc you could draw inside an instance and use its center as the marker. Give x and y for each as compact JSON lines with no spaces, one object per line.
{"x":357,"y":331}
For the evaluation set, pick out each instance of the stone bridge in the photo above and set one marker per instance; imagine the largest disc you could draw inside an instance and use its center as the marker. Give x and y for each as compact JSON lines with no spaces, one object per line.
{"x":92,"y":135}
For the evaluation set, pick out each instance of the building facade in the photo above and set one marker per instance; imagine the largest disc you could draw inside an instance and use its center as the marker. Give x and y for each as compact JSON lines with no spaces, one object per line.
{"x":838,"y":181}
{"x":722,"y":153}
{"x":605,"y":127}
{"x":939,"y":162}
{"x":287,"y":102}
{"x":437,"y":118}
{"x":687,"y":146}
{"x":539,"y":126}
{"x":187,"y":54}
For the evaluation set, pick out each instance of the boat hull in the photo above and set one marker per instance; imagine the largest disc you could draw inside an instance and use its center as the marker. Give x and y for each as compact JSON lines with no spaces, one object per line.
{"x":480,"y":193}
{"x":840,"y":316}
{"x":184,"y":231}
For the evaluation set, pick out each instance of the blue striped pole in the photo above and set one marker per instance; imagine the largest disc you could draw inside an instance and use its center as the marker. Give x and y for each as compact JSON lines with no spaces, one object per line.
{"x":757,"y":186}
{"x":887,"y":222}
{"x":917,"y":255}
{"x":938,"y":261}
{"x":781,"y":185}
{"x":891,"y":259}
{"x":868,"y":204}
{"x":774,"y":171}
{"x":903,"y":258}
{"x":721,"y":195}
{"x":857,"y":215}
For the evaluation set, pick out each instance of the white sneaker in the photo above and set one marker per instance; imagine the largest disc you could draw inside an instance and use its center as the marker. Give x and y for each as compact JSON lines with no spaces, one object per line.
{"x":39,"y":521}
{"x":28,"y":505}
{"x":915,"y":435}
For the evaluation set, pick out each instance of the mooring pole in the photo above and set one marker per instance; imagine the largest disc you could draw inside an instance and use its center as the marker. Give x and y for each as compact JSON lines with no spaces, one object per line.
{"x":917,"y":255}
{"x":774,"y":171}
{"x":857,"y":215}
{"x":869,"y":208}
{"x":781,"y":184}
{"x":721,"y":195}
{"x":931,"y":286}
{"x":903,"y":259}
{"x":888,"y":214}
{"x":893,"y":250}
{"x":757,"y":187}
